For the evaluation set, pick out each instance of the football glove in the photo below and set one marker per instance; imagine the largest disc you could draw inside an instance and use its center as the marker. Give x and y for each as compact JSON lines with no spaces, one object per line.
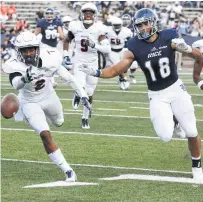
{"x":86,"y":103}
{"x":29,"y":76}
{"x":90,"y":43}
{"x":181,"y":45}
{"x":89,"y":70}
{"x":67,"y":62}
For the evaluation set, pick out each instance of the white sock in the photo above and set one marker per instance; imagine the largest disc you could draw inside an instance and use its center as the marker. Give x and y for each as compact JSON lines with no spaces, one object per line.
{"x":58,"y":158}
{"x":85,"y":114}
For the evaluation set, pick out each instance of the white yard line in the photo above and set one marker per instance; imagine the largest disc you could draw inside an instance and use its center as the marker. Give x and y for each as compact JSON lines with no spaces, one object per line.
{"x":118,"y":116}
{"x":114,"y":91}
{"x":93,"y":134}
{"x":100,"y":166}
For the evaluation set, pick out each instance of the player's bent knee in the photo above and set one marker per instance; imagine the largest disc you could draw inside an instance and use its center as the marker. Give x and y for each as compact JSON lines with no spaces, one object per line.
{"x":165,"y":138}
{"x":58,"y":123}
{"x":191,"y":133}
{"x":90,"y":91}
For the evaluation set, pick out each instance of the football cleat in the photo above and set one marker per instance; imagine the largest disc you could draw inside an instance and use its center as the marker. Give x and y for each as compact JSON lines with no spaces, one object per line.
{"x":75,"y":102}
{"x":132,"y":79}
{"x":197,"y":175}
{"x":179,"y":132}
{"x":85,"y":124}
{"x":70,"y":176}
{"x":124,"y":84}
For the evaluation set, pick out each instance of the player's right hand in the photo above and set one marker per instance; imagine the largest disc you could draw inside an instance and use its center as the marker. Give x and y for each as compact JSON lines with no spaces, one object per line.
{"x":29,"y":76}
{"x":67,"y":62}
{"x":89,"y":70}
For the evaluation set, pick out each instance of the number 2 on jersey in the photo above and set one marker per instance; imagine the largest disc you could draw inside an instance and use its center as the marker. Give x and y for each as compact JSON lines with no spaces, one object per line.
{"x":164,"y":68}
{"x":84,"y":47}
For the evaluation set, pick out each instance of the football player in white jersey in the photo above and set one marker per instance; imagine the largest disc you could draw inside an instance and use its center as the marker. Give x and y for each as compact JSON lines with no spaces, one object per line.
{"x":89,"y":38}
{"x":197,"y":70}
{"x":30,"y":74}
{"x":118,"y":37}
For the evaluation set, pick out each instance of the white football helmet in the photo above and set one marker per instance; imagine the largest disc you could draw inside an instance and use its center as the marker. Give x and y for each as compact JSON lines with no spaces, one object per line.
{"x":66,"y":20}
{"x":117,"y":24}
{"x":199,"y":45}
{"x":86,"y":16}
{"x":27,"y":41}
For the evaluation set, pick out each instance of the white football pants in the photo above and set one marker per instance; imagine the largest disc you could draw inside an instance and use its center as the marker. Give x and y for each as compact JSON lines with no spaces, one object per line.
{"x":173,"y":100}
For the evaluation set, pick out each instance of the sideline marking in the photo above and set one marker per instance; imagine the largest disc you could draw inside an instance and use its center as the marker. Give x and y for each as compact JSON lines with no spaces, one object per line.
{"x":60,"y":184}
{"x":101,"y":166}
{"x":152,"y":178}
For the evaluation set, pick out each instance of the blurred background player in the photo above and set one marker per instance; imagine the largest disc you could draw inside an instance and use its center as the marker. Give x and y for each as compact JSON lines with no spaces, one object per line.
{"x":118,"y":37}
{"x":51,"y":30}
{"x":89,"y":38}
{"x":38,"y":100}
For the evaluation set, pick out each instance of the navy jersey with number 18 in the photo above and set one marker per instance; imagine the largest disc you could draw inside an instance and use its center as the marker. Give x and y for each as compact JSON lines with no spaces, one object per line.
{"x":156,"y":59}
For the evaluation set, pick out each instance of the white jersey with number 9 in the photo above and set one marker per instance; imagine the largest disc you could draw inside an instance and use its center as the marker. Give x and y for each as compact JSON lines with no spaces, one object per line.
{"x":81,"y":34}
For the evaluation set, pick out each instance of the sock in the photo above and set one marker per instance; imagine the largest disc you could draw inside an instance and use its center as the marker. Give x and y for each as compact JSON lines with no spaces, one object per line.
{"x":175,"y":120}
{"x":85,"y":114}
{"x":196,"y":162}
{"x":58,"y":158}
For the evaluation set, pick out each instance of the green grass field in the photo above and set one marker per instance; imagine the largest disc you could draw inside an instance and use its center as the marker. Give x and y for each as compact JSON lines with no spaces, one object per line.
{"x":121,"y":141}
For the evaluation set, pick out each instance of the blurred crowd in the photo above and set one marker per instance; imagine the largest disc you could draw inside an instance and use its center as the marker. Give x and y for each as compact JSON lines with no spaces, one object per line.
{"x":171,"y":16}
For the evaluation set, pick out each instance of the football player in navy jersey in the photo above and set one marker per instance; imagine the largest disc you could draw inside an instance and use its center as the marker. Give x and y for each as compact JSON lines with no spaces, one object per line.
{"x":51,"y":30}
{"x":154,"y":51}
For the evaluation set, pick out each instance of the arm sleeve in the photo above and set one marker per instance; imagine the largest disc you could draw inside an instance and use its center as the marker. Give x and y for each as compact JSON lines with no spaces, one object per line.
{"x":39,"y":23}
{"x":67,"y":76}
{"x":104,"y":46}
{"x":16,"y":80}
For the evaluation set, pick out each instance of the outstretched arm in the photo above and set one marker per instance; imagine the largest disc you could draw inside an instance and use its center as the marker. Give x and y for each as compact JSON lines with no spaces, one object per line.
{"x":67,"y":76}
{"x":197,"y":71}
{"x":120,"y":67}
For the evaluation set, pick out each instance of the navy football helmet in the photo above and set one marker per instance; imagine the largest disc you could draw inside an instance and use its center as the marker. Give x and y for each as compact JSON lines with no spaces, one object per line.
{"x":148,"y":17}
{"x":49,"y":14}
{"x":126,"y":20}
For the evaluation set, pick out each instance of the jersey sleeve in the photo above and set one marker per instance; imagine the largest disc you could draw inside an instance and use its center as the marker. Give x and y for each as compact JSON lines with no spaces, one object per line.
{"x":173,"y":34}
{"x":40,"y":23}
{"x":59,"y":23}
{"x":71,"y":26}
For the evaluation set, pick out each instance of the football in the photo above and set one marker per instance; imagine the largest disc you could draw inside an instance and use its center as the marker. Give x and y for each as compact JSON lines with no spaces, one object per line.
{"x":9,"y":105}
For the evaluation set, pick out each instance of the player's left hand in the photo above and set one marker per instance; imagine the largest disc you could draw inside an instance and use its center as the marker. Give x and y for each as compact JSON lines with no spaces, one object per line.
{"x":89,"y":70}
{"x":86,"y":103}
{"x":90,"y":43}
{"x":181,"y":45}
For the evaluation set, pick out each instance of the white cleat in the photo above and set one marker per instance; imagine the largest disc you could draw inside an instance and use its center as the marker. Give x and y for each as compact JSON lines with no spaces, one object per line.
{"x":179,"y":132}
{"x":54,"y":84}
{"x":124,"y":84}
{"x":70,"y":176}
{"x":197,"y":175}
{"x":132,"y":79}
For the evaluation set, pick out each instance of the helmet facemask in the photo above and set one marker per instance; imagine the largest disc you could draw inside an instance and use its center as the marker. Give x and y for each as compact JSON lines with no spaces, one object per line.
{"x":117,"y":27}
{"x":88,"y":16}
{"x":31,"y":59}
{"x":150,"y":28}
{"x":49,"y":15}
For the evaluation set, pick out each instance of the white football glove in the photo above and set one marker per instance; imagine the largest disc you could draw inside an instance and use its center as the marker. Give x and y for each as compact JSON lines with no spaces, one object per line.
{"x":181,"y":45}
{"x":90,"y":43}
{"x":89,"y":70}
